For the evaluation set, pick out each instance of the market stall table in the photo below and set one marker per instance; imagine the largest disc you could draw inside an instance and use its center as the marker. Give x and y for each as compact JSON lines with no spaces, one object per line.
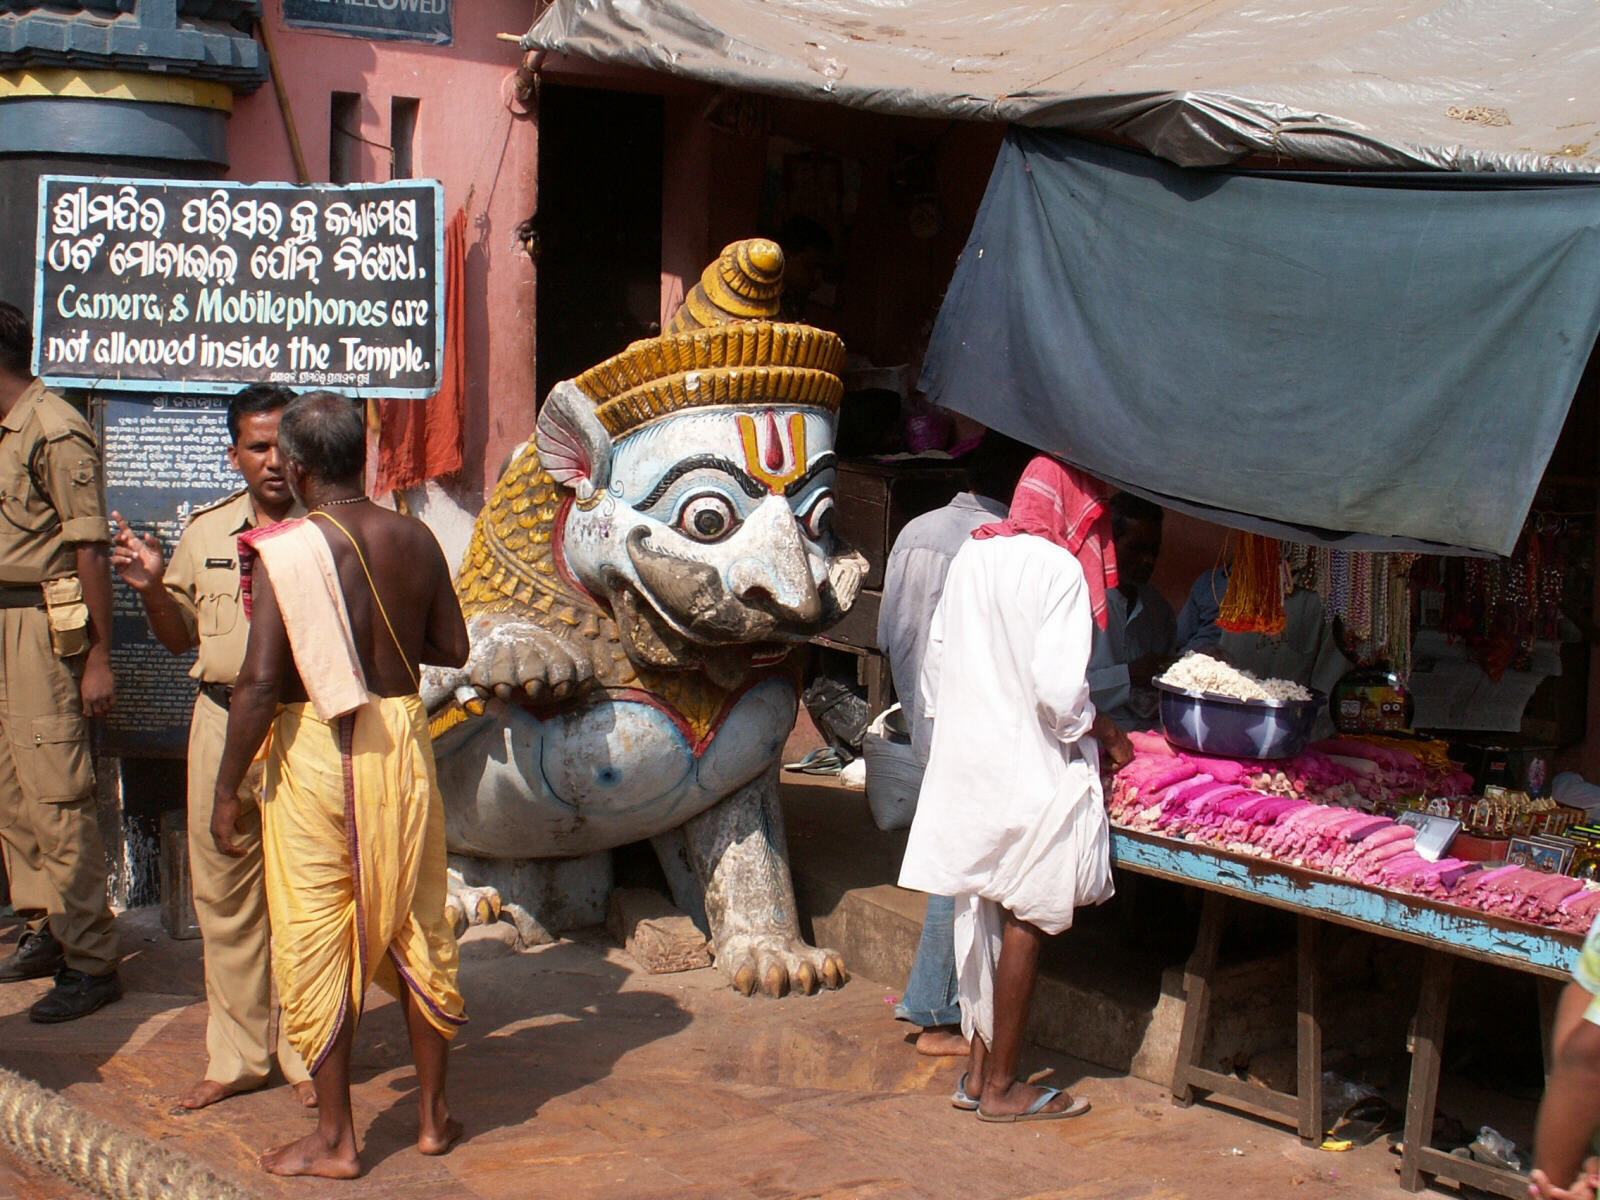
{"x":1445,"y":931}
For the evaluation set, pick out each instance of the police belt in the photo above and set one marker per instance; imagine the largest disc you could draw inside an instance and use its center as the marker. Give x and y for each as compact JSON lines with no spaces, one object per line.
{"x":218,"y":693}
{"x":24,"y":595}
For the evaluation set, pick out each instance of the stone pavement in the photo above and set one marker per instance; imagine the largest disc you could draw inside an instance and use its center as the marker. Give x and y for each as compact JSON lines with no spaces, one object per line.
{"x":580,"y":1076}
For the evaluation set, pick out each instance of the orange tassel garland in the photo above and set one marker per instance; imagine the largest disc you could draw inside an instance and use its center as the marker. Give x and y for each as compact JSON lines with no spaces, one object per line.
{"x":1253,"y":602}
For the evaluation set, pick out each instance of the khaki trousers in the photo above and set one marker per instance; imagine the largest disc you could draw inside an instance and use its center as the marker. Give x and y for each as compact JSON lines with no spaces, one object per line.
{"x":30,"y":888}
{"x":230,"y":900}
{"x":47,"y":811}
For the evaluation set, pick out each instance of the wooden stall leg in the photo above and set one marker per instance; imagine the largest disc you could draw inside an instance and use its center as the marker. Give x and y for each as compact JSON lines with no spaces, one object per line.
{"x":1427,"y":1043}
{"x":1197,"y":976}
{"x":1309,"y":1035}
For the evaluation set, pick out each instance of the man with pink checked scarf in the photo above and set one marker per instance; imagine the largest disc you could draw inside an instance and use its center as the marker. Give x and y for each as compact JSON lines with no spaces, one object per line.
{"x":1010,"y":819}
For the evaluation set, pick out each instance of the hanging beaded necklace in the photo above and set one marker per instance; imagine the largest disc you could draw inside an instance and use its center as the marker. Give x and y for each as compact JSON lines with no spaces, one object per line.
{"x":336,"y":503}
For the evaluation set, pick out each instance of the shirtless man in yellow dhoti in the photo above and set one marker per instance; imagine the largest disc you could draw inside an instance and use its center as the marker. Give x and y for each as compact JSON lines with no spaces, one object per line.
{"x":344,"y":605}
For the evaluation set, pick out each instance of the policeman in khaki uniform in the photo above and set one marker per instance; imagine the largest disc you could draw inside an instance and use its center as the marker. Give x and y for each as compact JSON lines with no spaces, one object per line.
{"x":55,"y":674}
{"x":194,"y":601}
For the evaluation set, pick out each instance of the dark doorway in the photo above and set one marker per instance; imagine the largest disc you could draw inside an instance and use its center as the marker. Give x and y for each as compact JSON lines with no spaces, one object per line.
{"x":598,"y":227}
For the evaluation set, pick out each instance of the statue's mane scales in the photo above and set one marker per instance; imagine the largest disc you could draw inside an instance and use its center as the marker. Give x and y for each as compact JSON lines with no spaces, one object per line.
{"x":510,"y":567}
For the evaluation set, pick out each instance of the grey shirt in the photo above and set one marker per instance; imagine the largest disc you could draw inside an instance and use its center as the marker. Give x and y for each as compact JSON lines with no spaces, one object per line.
{"x":913,"y":581}
{"x":1133,"y":629}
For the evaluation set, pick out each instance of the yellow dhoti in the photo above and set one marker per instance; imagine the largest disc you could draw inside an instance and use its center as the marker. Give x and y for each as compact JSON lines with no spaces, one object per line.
{"x":354,"y":845}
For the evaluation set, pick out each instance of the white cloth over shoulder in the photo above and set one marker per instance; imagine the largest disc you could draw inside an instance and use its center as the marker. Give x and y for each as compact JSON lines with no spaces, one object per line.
{"x":305,"y":581}
{"x":1010,"y":810}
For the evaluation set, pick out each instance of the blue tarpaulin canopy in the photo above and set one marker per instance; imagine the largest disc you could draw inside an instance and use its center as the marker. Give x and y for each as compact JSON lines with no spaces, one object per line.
{"x":1367,"y":360}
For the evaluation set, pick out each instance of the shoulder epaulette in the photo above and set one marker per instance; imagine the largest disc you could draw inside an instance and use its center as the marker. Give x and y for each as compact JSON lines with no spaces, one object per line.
{"x":201,"y":510}
{"x":58,"y":419}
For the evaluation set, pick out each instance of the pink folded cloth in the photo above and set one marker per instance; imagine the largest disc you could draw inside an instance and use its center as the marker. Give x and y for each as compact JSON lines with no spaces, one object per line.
{"x":1359,"y":831}
{"x":1163,"y":773}
{"x":1450,"y":877}
{"x":1385,"y":756}
{"x":1374,"y":852}
{"x":1395,"y":833}
{"x":1437,"y":878}
{"x":1579,"y":897}
{"x":1151,"y":743}
{"x":1228,"y":770}
{"x":1180,"y":793}
{"x":1518,"y":881}
{"x":1210,"y":800}
{"x":1404,"y":869}
{"x":1577,"y":912}
{"x":1482,"y":880}
{"x":1268,"y":810}
{"x":1545,"y":898}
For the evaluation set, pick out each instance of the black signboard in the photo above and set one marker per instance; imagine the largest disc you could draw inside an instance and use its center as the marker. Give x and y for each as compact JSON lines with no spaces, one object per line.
{"x":160,"y":285}
{"x":411,"y":20}
{"x":164,"y":457}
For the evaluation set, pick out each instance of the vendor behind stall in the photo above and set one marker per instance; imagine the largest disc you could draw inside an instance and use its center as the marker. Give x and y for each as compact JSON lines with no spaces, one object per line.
{"x":1137,"y":640}
{"x":1197,"y":619}
{"x":1307,"y":651}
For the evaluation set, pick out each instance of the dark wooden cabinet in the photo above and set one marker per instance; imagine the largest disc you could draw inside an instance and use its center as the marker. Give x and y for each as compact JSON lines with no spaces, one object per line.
{"x":873,"y":502}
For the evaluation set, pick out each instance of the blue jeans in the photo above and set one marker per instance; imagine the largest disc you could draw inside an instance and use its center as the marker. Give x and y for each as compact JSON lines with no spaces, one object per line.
{"x":930,"y":997}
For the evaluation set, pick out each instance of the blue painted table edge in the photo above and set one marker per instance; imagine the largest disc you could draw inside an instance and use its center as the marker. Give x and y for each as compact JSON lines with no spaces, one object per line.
{"x":1430,"y":923}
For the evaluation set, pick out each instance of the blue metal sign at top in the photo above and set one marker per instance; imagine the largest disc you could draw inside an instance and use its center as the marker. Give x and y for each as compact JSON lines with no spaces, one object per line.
{"x":409,"y":20}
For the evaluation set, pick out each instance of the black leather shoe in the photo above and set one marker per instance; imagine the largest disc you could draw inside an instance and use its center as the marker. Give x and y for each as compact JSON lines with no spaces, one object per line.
{"x":75,"y":995}
{"x":37,"y":955}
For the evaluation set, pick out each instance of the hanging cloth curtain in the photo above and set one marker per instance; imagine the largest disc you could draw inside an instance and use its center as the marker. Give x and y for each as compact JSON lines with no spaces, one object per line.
{"x":420,"y":440}
{"x":1379,"y":362}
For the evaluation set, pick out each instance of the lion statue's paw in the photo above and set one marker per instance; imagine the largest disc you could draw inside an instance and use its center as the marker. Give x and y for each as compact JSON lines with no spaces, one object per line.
{"x":775,"y":966}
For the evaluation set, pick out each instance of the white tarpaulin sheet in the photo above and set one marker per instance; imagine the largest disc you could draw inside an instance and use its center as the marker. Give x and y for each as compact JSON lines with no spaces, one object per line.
{"x":1468,"y":85}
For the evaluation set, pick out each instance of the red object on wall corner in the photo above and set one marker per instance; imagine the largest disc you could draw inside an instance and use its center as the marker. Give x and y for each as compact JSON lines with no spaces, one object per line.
{"x":420,"y":440}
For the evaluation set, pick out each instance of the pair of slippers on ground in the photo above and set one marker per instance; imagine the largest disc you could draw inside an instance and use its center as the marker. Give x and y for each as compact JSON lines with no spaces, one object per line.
{"x":1034,"y":1112}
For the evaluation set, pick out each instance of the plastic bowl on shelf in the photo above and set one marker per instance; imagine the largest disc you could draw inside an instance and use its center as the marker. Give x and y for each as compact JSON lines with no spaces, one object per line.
{"x":1227,"y":728}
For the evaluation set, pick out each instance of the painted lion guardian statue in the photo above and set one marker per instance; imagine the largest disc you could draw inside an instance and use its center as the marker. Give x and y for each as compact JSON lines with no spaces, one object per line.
{"x":636,"y":589}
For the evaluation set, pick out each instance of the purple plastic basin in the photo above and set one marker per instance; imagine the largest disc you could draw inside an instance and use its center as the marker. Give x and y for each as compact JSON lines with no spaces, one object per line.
{"x":1228,"y":728}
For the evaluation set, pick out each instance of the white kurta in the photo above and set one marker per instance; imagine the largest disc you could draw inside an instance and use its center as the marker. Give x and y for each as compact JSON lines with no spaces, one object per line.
{"x":1010,"y":815}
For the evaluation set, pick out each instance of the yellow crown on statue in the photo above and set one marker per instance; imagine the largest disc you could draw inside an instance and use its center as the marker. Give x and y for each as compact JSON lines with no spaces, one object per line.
{"x":721,"y":347}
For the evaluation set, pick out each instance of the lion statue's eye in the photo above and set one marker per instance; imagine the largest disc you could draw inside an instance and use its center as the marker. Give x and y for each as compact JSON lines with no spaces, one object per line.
{"x":818,"y":523}
{"x":708,"y":517}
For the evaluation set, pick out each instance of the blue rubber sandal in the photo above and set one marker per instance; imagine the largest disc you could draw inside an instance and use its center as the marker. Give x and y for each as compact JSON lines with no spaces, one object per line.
{"x":960,"y":1099}
{"x":824,"y":760}
{"x":1034,"y":1111}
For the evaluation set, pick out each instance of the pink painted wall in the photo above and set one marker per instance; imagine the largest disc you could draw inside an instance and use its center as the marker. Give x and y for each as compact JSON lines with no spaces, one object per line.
{"x":474,"y":137}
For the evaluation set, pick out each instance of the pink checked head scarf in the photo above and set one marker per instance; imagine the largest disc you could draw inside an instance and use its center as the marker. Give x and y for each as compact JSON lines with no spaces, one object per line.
{"x":1063,"y":505}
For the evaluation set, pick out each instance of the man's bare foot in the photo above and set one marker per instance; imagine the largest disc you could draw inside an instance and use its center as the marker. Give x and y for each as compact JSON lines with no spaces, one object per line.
{"x":1018,"y":1098}
{"x":942,"y":1041}
{"x":438,"y":1138}
{"x":311,"y":1155}
{"x":206,"y":1093}
{"x":306,"y":1092}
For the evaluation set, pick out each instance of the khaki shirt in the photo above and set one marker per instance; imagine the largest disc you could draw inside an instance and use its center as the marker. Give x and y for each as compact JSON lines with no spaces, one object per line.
{"x":52,"y":495}
{"x":203,"y":581}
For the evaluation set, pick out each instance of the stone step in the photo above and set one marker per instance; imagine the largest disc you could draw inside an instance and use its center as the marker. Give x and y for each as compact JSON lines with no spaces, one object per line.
{"x":1096,"y":1001}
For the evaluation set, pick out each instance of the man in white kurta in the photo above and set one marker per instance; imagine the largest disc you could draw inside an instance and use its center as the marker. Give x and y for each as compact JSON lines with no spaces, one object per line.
{"x":1010,"y":819}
